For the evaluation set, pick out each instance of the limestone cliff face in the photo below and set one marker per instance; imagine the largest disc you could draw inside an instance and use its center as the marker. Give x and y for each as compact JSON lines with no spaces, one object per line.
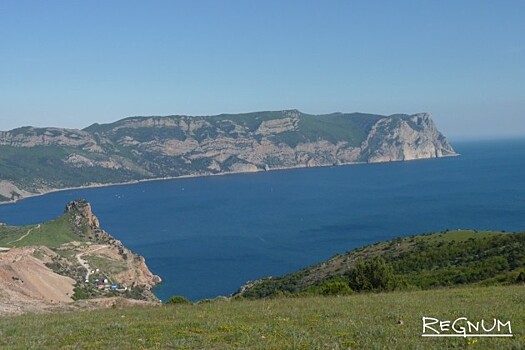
{"x":405,"y":138}
{"x":31,"y":137}
{"x":154,"y":147}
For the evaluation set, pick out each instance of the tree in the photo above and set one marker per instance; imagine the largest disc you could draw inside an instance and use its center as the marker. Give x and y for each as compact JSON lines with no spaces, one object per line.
{"x":372,"y":275}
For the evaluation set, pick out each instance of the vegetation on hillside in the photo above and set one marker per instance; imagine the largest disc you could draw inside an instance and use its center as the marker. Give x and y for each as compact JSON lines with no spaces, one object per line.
{"x":418,"y":262}
{"x":43,"y":166}
{"x":36,"y":160}
{"x":51,"y":234}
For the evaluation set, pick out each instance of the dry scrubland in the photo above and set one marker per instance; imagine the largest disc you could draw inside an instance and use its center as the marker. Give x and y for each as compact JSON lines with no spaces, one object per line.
{"x":360,"y":321}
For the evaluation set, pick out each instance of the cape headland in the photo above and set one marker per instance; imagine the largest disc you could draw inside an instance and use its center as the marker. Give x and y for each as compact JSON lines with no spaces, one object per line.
{"x":39,"y":160}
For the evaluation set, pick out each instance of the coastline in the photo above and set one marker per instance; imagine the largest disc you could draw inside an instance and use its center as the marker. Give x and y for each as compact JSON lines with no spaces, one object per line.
{"x":168,"y":279}
{"x":180,"y":177}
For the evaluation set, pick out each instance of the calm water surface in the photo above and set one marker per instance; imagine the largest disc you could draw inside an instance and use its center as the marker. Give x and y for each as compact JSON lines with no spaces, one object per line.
{"x":207,"y":236}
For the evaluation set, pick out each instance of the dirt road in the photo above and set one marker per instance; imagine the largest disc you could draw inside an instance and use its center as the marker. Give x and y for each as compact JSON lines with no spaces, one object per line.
{"x":25,"y":235}
{"x":84,"y":263}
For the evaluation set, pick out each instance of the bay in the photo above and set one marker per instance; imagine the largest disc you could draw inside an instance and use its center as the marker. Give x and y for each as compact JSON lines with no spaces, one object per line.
{"x":207,"y":236}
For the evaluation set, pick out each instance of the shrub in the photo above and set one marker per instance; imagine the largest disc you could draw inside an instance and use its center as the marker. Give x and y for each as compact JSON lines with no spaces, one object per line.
{"x":178,"y":299}
{"x":335,"y":288}
{"x":372,"y":275}
{"x":521,"y":277}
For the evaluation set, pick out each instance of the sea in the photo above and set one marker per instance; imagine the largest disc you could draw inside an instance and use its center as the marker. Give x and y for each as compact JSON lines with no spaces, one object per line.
{"x":207,"y":236}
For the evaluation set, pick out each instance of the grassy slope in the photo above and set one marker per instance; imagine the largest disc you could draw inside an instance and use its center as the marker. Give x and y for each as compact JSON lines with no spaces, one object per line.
{"x":363,"y":321}
{"x":422,"y":261}
{"x":51,"y":234}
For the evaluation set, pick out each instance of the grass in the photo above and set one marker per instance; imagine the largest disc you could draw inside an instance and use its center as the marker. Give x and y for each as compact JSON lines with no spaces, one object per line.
{"x":352,"y":128}
{"x":11,"y":233}
{"x":361,"y":321}
{"x":459,"y":235}
{"x":51,"y":234}
{"x":106,"y":265}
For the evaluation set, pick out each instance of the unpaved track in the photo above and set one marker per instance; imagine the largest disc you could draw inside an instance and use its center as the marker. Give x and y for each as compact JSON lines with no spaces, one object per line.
{"x":84,"y":263}
{"x":25,"y":235}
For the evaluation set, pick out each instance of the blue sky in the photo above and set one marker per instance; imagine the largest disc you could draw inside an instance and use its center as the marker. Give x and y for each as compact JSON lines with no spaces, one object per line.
{"x":72,"y":63}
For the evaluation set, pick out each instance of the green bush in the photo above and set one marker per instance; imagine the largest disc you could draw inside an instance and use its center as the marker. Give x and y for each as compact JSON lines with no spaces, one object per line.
{"x":178,"y":299}
{"x":335,"y":288}
{"x":372,"y":275}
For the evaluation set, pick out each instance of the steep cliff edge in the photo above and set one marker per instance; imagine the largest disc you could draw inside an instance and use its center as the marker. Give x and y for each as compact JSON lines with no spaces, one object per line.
{"x":69,"y":262}
{"x":132,"y":269}
{"x":37,"y":160}
{"x":405,"y":138}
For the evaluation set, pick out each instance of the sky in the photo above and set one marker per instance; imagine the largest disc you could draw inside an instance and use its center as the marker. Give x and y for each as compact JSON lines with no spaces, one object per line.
{"x":73,"y":63}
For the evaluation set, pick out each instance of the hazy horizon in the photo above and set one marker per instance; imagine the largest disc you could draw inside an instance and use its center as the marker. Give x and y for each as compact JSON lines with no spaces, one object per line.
{"x":66,"y":64}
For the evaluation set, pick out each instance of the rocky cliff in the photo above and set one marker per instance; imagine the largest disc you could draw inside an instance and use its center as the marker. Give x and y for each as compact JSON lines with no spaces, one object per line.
{"x":132,"y":270}
{"x":36,"y":160}
{"x":68,"y":263}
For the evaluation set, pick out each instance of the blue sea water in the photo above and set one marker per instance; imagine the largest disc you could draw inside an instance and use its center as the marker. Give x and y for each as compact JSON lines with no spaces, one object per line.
{"x":207,"y":236}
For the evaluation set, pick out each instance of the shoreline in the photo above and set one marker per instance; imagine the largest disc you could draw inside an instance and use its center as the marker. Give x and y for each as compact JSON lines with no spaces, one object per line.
{"x":181,"y":177}
{"x":259,"y":170}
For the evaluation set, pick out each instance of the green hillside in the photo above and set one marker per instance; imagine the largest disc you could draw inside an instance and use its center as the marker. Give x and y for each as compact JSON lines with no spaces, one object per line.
{"x":361,"y":321}
{"x":442,"y":259}
{"x":43,"y":166}
{"x":51,"y":234}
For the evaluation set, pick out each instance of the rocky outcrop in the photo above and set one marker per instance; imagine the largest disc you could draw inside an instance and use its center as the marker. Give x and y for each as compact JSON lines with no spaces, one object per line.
{"x":31,"y":137}
{"x":140,"y":148}
{"x":277,"y":126}
{"x":87,"y":225}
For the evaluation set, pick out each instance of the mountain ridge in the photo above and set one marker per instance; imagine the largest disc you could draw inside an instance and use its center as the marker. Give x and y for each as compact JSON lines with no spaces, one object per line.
{"x":39,"y":160}
{"x":68,"y":263}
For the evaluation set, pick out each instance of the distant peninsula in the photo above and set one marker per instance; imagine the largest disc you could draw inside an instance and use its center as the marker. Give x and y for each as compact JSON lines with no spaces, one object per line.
{"x":39,"y":160}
